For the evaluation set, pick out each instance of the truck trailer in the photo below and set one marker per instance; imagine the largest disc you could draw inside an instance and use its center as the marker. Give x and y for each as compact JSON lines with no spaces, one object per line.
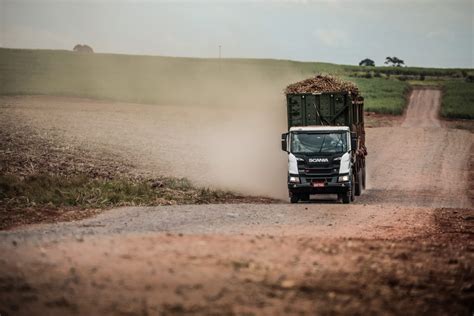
{"x":325,"y":144}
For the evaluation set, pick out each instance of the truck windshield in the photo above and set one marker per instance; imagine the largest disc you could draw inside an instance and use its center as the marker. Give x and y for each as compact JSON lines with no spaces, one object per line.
{"x":313,"y":143}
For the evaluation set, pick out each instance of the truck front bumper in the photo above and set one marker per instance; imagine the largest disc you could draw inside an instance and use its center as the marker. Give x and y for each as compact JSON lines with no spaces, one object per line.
{"x":328,"y":188}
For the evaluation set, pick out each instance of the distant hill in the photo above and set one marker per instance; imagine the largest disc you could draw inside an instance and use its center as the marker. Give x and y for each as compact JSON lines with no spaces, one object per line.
{"x":191,"y":81}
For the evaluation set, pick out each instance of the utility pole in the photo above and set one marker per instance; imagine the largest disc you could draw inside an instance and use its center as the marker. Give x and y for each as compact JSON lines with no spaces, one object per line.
{"x":220,"y":52}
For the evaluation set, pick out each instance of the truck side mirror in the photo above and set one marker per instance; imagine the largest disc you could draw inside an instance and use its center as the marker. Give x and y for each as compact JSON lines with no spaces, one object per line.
{"x":284,"y":143}
{"x":354,"y":141}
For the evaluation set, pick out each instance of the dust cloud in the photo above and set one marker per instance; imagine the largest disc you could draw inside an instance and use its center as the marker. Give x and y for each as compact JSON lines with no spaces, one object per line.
{"x":244,"y":151}
{"x":221,"y":132}
{"x":241,"y":144}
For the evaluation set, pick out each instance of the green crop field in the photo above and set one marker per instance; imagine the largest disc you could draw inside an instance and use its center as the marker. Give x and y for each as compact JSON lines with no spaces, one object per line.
{"x":383,"y":95}
{"x":458,"y":100}
{"x":197,"y":81}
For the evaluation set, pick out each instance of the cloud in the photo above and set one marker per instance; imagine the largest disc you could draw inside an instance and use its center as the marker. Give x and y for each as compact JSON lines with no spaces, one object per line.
{"x":332,"y":37}
{"x":437,"y":34}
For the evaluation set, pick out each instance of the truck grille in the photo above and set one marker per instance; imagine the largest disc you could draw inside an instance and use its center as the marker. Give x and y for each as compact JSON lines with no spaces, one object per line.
{"x":319,"y":170}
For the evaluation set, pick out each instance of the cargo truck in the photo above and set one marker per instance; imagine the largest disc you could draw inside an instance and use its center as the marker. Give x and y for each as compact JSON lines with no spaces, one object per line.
{"x":325,"y":143}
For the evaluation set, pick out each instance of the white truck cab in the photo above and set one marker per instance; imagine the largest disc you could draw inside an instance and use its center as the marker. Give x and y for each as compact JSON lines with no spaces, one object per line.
{"x":320,"y":161}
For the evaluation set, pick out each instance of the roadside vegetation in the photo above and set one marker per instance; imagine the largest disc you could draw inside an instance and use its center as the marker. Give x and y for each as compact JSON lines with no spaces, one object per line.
{"x":45,"y":197}
{"x":85,"y":192}
{"x":383,"y":96}
{"x":458,"y":100}
{"x":53,"y":197}
{"x":198,"y":81}
{"x":388,"y":95}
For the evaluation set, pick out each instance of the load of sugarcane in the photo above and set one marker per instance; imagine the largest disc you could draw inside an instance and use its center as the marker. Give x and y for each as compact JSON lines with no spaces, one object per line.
{"x":322,"y":84}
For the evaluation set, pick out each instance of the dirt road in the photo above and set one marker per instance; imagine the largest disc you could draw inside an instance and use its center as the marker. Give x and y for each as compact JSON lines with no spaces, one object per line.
{"x":423,"y":109}
{"x":404,"y":247}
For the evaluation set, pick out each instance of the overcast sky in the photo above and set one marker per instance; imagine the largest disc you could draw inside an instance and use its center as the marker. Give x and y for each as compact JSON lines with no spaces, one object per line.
{"x":436,"y":33}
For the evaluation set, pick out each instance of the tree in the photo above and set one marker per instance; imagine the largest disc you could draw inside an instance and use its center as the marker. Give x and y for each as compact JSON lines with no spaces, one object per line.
{"x":367,"y":62}
{"x":395,"y":61}
{"x":83,"y":48}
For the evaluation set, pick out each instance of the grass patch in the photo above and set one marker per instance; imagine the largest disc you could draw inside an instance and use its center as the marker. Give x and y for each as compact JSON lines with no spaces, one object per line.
{"x":52,"y":198}
{"x":458,"y":100}
{"x":84,"y":192}
{"x":383,"y":96}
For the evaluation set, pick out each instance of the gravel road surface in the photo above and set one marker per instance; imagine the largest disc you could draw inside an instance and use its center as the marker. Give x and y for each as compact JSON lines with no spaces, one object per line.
{"x":403,"y":247}
{"x":423,"y":109}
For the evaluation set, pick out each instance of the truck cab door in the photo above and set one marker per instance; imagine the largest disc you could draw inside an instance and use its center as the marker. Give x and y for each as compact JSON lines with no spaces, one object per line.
{"x":284,"y":142}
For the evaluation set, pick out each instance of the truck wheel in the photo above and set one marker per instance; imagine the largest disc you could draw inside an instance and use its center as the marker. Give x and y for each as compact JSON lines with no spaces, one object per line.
{"x":358,"y":184}
{"x":363,"y":178}
{"x":346,"y":199}
{"x":294,"y":199}
{"x":352,"y":189}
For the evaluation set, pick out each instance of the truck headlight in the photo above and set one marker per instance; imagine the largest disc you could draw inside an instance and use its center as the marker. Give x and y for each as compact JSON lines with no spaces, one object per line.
{"x":294,"y":180}
{"x":343,"y":178}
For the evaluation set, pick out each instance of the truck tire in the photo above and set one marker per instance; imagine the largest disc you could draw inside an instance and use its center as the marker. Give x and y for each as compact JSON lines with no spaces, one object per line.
{"x":358,"y":184}
{"x":305,"y":197}
{"x":363,"y":177}
{"x":294,"y":199}
{"x":351,"y":192}
{"x":346,"y":199}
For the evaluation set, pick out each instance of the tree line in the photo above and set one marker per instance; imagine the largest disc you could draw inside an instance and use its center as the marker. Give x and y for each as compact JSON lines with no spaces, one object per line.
{"x":392,"y":61}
